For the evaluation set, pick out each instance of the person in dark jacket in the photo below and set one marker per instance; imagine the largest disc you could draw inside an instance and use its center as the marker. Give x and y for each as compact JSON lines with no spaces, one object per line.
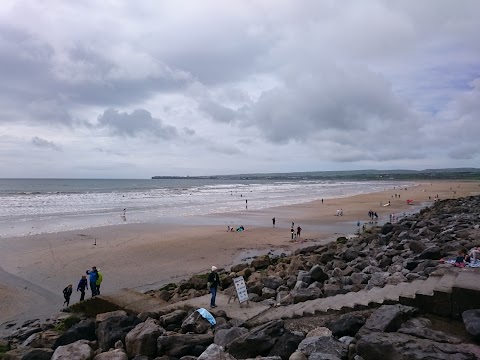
{"x":82,"y":285}
{"x":93,"y":277}
{"x":213,"y":282}
{"x":67,"y":292}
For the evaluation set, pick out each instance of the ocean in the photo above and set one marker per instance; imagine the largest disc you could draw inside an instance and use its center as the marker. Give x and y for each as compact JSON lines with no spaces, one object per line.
{"x":33,"y":206}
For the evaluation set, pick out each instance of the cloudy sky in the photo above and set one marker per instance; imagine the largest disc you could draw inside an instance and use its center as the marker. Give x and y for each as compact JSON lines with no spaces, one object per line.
{"x":131,"y":89}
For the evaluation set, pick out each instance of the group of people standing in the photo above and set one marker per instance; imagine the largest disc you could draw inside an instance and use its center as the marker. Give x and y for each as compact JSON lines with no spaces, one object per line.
{"x":373,"y":215}
{"x":95,"y":278}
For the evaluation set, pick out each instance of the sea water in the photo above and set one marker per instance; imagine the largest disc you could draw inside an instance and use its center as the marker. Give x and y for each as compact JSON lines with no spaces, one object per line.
{"x":32,"y":206}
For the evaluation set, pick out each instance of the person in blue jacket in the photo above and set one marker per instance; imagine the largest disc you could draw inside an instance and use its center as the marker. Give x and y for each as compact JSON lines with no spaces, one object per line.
{"x":93,"y":277}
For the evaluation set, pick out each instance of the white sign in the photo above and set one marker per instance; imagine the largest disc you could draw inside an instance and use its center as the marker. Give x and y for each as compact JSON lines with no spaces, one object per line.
{"x":241,"y":289}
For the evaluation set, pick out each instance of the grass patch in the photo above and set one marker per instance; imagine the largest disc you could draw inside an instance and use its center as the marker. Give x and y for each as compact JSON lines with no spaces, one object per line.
{"x":67,"y":323}
{"x":169,"y":287}
{"x":342,"y":240}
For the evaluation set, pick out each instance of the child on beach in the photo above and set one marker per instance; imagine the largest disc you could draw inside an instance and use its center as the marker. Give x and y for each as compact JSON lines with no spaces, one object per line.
{"x":67,"y":292}
{"x":462,"y":258}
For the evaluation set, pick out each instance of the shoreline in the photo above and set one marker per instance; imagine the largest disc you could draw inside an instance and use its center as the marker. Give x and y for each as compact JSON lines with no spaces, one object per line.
{"x":148,"y":255}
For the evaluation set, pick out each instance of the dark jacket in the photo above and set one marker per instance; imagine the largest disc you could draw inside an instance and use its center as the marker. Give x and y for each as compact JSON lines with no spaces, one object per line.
{"x":213,"y":279}
{"x":82,"y":285}
{"x":67,"y":292}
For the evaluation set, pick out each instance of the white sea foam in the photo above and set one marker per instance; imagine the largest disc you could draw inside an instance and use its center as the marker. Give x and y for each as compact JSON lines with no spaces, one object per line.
{"x":27,"y":210}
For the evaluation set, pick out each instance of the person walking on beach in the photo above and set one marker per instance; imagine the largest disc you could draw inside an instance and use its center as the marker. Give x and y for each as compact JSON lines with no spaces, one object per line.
{"x":82,"y":285}
{"x":98,"y":282}
{"x":67,"y":292}
{"x":299,"y":230}
{"x":246,"y":204}
{"x":93,"y":276}
{"x":213,"y":282}
{"x":273,"y":222}
{"x":292,"y":231}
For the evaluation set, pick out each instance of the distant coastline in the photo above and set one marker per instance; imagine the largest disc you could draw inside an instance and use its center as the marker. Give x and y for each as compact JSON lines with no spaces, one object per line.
{"x":427,"y":174}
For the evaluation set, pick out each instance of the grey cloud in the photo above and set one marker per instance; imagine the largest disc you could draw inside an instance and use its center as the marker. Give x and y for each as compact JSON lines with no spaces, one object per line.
{"x":42,"y":143}
{"x":217,"y":112}
{"x":224,"y":149}
{"x":138,"y":122}
{"x":188,"y":131}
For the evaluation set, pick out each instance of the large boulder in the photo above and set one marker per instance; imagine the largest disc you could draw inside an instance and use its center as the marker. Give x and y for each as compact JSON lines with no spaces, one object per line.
{"x":318,"y":274}
{"x":346,"y":325}
{"x":239,"y":267}
{"x":216,"y":352}
{"x":432,"y":252}
{"x":115,"y":328}
{"x":324,"y":345}
{"x":175,"y":317}
{"x":420,"y":328}
{"x":195,"y":323}
{"x":388,"y":318}
{"x":378,"y":279}
{"x":471,"y":320}
{"x":22,"y":353}
{"x":286,"y":345}
{"x":260,"y":262}
{"x":393,"y":346}
{"x":45,"y":339}
{"x":79,"y":350}
{"x":272,"y":282}
{"x":142,"y":339}
{"x":104,"y":316}
{"x":84,"y":330}
{"x":182,"y":344}
{"x":301,"y":295}
{"x":224,"y":337}
{"x":116,"y":354}
{"x":259,"y":341}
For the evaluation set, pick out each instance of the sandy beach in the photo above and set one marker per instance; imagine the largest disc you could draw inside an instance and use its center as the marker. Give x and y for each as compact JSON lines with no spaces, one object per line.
{"x":36,"y":268}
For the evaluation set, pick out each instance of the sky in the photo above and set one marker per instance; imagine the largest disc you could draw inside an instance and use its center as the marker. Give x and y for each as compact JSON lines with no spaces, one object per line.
{"x":133,"y":89}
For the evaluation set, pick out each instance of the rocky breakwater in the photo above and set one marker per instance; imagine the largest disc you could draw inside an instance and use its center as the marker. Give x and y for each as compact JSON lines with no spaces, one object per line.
{"x":393,"y":253}
{"x":391,"y":332}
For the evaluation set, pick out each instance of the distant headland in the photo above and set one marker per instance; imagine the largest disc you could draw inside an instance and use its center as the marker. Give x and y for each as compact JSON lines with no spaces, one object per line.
{"x":427,"y":174}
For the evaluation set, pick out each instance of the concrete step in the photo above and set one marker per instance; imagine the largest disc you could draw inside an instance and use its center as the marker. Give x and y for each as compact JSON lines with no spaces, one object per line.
{"x":418,"y":291}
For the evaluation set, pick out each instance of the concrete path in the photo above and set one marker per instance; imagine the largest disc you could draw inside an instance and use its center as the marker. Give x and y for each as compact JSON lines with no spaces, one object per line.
{"x":137,"y":302}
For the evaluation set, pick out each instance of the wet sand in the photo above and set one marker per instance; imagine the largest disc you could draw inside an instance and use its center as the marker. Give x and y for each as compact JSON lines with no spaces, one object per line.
{"x":145,"y":256}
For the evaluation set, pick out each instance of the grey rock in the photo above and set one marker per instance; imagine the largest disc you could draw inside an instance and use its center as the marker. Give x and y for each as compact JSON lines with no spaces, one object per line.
{"x":84,"y":330}
{"x":175,"y":317}
{"x":378,"y":279}
{"x":323,"y":345}
{"x":113,"y":329}
{"x":471,"y":320}
{"x":388,"y":318}
{"x":79,"y":350}
{"x":302,"y":295}
{"x":346,"y":325}
{"x":148,"y":314}
{"x":142,"y":339}
{"x":318,"y":274}
{"x":259,"y":341}
{"x":297,"y":355}
{"x":216,"y":352}
{"x":195,"y":323}
{"x":116,"y":354}
{"x":393,"y":346}
{"x":224,"y":337}
{"x":272,"y":282}
{"x":182,"y":344}
{"x":286,"y":345}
